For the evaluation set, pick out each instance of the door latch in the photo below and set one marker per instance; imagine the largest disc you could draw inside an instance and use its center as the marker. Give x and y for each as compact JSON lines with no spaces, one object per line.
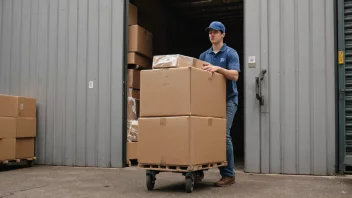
{"x":258,"y":87}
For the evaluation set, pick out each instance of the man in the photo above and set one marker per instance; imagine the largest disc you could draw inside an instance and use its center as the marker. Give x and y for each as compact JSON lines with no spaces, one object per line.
{"x":224,"y":60}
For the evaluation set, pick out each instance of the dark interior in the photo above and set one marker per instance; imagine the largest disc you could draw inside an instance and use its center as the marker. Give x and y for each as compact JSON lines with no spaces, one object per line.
{"x":178,"y":27}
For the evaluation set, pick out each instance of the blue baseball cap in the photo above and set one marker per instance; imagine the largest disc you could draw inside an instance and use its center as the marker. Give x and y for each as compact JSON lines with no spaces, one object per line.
{"x":216,"y":25}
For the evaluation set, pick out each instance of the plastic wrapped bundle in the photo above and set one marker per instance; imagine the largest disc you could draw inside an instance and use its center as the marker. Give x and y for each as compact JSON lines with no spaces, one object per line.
{"x":132,"y":118}
{"x":132,"y":130}
{"x":175,"y":60}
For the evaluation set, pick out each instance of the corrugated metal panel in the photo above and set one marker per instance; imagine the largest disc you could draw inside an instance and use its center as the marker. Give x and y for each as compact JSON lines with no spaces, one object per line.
{"x":347,"y":87}
{"x":294,"y":132}
{"x":51,"y":50}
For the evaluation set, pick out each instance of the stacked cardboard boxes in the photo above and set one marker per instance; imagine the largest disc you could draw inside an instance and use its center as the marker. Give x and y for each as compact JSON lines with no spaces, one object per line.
{"x":183,"y":113}
{"x":17,"y":127}
{"x":140,"y":54}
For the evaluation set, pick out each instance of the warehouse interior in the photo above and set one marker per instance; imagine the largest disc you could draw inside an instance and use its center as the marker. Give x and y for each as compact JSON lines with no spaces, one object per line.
{"x":178,"y":28}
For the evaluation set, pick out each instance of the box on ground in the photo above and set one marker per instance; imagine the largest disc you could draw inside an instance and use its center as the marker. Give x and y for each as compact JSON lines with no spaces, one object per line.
{"x":7,"y":149}
{"x":17,"y":127}
{"x":182,"y":92}
{"x":140,"y":40}
{"x":24,"y":148}
{"x":132,"y":15}
{"x":133,"y":79}
{"x":184,"y":140}
{"x":16,"y":106}
{"x":136,"y":59}
{"x":132,"y":148}
{"x":175,"y":60}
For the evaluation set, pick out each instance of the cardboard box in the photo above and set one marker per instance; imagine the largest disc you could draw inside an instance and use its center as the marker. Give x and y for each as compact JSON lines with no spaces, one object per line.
{"x":16,"y":106}
{"x":132,"y":15}
{"x":133,"y":93}
{"x":7,"y":127}
{"x":175,"y":60}
{"x":26,"y":127}
{"x":184,"y":140}
{"x":24,"y":148}
{"x":182,"y":92}
{"x":132,"y":149}
{"x":140,"y":41}
{"x":136,"y":59}
{"x":133,"y":79}
{"x":17,"y":127}
{"x":7,"y":149}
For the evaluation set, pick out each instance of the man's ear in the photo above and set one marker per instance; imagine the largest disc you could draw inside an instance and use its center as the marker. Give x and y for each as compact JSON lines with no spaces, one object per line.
{"x":223,"y":35}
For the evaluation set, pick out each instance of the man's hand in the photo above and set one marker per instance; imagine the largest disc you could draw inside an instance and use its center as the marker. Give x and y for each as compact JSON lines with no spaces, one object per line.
{"x":210,"y":68}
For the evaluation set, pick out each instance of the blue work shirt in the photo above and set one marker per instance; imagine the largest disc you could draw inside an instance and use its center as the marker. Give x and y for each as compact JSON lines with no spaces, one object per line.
{"x":226,"y":58}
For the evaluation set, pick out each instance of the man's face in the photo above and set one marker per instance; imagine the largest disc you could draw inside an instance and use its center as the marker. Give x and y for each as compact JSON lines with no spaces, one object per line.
{"x":215,"y":36}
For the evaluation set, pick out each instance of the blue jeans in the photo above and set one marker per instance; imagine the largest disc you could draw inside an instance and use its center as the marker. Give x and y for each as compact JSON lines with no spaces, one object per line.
{"x":228,"y":171}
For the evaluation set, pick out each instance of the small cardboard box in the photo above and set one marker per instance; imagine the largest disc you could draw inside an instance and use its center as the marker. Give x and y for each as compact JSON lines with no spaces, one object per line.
{"x":133,"y":79}
{"x":182,"y":92}
{"x":24,"y":148}
{"x":175,"y":60}
{"x":140,"y":41}
{"x":133,"y":15}
{"x":184,"y":140}
{"x":17,"y":127}
{"x":8,"y":149}
{"x":16,"y":106}
{"x":136,"y":59}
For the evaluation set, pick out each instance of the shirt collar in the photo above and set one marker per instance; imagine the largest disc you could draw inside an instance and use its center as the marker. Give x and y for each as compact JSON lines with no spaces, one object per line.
{"x":223,"y":48}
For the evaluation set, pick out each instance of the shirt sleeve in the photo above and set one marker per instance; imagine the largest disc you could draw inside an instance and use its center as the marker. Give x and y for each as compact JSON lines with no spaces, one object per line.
{"x":201,"y":57}
{"x":233,"y":61}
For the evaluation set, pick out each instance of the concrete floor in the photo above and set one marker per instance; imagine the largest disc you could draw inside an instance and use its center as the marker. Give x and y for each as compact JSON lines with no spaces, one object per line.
{"x":46,"y":181}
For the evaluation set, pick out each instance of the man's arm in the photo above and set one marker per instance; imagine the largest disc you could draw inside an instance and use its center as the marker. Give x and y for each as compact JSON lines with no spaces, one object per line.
{"x":233,"y":66}
{"x":229,"y":74}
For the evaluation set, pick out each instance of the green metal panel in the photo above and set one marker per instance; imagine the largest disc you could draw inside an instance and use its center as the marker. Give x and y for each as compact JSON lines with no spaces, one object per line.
{"x":345,"y":83}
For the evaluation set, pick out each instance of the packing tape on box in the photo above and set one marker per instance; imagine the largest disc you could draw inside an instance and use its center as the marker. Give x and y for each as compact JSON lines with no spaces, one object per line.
{"x":210,"y":77}
{"x":162,"y":121}
{"x":210,"y":121}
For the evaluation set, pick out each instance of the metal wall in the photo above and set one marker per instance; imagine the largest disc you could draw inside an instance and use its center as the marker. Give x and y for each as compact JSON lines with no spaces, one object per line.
{"x":294,"y":132}
{"x":50,"y":50}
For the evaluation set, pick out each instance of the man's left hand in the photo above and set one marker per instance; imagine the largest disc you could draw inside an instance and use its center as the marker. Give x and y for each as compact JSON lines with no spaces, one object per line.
{"x":210,"y":68}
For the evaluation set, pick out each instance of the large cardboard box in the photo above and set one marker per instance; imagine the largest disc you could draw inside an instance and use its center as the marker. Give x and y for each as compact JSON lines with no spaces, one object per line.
{"x":182,"y":91}
{"x":24,"y":148}
{"x":136,"y":59}
{"x":184,"y":140}
{"x":175,"y":60}
{"x":132,"y":149}
{"x":133,"y":15}
{"x":16,"y":106}
{"x":140,"y":40}
{"x":133,"y":79}
{"x":7,"y":149}
{"x":7,"y":127}
{"x":17,"y":127}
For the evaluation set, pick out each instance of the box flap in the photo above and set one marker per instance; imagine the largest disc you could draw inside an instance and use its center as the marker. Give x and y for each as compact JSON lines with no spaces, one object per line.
{"x":165,"y":92}
{"x":208,"y":93}
{"x":204,"y":132}
{"x":164,"y":141}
